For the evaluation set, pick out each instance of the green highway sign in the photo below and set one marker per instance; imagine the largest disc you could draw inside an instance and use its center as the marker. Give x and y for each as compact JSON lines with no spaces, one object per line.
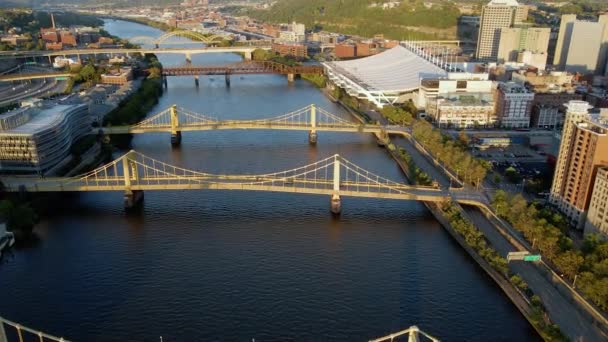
{"x":532,"y":258}
{"x":62,"y":78}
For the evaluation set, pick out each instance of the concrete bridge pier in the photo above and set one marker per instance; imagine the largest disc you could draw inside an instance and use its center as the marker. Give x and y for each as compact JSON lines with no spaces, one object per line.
{"x":247,"y":55}
{"x":133,"y":198}
{"x":227,"y":78}
{"x":335,"y":204}
{"x":165,"y":82}
{"x":312,"y":137}
{"x":196,"y":81}
{"x":382,"y":138}
{"x":188,"y":58}
{"x":291,"y":78}
{"x":176,"y":138}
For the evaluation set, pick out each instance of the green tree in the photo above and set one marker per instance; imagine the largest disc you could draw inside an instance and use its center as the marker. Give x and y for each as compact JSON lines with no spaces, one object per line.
{"x":569,"y":263}
{"x":20,"y":217}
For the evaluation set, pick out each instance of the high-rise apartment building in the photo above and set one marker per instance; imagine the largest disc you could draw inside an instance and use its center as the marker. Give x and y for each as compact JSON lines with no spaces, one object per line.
{"x":582,"y":46}
{"x":496,"y":15}
{"x":514,"y":105}
{"x":583,"y":149}
{"x":597,"y":216}
{"x":514,"y":40}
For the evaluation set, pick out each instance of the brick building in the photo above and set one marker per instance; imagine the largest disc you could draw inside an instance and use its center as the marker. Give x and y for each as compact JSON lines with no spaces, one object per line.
{"x":292,"y":50}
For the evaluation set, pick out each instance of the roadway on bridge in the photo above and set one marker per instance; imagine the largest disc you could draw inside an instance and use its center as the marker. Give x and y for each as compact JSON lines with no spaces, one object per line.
{"x":142,"y":51}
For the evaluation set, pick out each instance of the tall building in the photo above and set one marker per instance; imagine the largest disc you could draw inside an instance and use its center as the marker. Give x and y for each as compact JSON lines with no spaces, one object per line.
{"x":496,"y":15}
{"x":300,"y":31}
{"x":582,"y":46}
{"x":514,"y":40}
{"x":583,"y":149}
{"x":597,"y":216}
{"x":514,"y":105}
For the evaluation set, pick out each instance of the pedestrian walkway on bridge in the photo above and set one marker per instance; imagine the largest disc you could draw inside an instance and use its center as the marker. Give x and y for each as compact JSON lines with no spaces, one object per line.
{"x":333,"y":176}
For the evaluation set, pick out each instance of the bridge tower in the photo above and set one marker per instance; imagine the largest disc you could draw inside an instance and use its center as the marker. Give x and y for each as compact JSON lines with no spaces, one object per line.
{"x":312,"y":135}
{"x":176,"y":134}
{"x":335,"y":204}
{"x":129,"y":168}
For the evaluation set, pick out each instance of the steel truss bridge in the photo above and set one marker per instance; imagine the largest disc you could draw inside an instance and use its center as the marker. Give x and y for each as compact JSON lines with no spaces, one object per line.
{"x":333,"y":176}
{"x":247,"y":67}
{"x":241,"y":68}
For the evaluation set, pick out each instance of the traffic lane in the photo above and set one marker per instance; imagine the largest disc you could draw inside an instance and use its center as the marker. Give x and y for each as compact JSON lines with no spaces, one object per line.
{"x":420,"y":161}
{"x":560,"y":309}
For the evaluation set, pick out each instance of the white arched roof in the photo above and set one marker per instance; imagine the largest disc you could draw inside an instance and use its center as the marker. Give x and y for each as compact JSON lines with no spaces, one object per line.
{"x":393,"y":71}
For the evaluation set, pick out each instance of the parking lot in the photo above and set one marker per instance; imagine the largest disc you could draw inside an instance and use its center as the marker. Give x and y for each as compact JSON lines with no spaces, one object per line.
{"x":515,"y":153}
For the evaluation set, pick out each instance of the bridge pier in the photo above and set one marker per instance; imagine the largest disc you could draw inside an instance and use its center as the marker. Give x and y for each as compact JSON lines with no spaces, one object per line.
{"x":312,"y":137}
{"x":133,"y":198}
{"x":290,"y":78}
{"x":247,"y":55}
{"x":188,"y":58}
{"x":227,"y":78}
{"x":176,"y":138}
{"x":335,"y":204}
{"x":196,"y":81}
{"x":165,"y":82}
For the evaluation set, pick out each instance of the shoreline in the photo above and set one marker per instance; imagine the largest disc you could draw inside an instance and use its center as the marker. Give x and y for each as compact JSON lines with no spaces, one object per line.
{"x":516,"y":297}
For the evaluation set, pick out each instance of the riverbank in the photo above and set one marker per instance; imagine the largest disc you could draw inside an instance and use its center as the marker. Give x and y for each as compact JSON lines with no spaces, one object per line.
{"x":530,"y":306}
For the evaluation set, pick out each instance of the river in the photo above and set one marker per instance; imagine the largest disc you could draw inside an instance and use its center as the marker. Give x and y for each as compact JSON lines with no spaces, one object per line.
{"x":237,"y":266}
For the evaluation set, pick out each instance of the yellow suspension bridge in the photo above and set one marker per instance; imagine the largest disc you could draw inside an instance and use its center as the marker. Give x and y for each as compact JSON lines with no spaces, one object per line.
{"x":176,"y":120}
{"x":333,"y":176}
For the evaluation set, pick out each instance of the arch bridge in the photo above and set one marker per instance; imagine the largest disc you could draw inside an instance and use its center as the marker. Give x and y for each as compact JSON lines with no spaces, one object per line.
{"x":311,"y":118}
{"x":335,"y":176}
{"x":197,"y":36}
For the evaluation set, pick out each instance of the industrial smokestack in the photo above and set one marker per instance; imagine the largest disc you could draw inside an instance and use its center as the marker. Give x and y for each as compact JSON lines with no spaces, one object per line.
{"x":53,"y":20}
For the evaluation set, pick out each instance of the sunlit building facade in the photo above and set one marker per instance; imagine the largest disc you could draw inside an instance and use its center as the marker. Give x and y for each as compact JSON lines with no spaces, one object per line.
{"x":35,"y":140}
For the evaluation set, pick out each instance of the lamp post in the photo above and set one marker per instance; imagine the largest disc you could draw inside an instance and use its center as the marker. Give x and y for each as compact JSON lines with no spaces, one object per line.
{"x":574,"y":282}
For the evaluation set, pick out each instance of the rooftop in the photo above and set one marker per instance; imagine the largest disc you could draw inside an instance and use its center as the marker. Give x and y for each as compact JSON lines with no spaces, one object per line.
{"x":394,"y":70}
{"x":503,"y":3}
{"x":41,"y":119}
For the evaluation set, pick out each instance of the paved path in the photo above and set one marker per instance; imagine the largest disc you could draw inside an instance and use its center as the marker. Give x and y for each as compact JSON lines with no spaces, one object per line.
{"x":560,"y":309}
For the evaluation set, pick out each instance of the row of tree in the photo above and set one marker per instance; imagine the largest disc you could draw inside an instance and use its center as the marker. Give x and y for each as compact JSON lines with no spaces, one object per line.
{"x":415,"y":173}
{"x":450,"y":152}
{"x":20,"y":217}
{"x":546,"y":229}
{"x":398,"y":115}
{"x":476,"y":240}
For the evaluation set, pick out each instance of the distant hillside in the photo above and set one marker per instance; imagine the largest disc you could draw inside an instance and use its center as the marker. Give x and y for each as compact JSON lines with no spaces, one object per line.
{"x":409,"y":19}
